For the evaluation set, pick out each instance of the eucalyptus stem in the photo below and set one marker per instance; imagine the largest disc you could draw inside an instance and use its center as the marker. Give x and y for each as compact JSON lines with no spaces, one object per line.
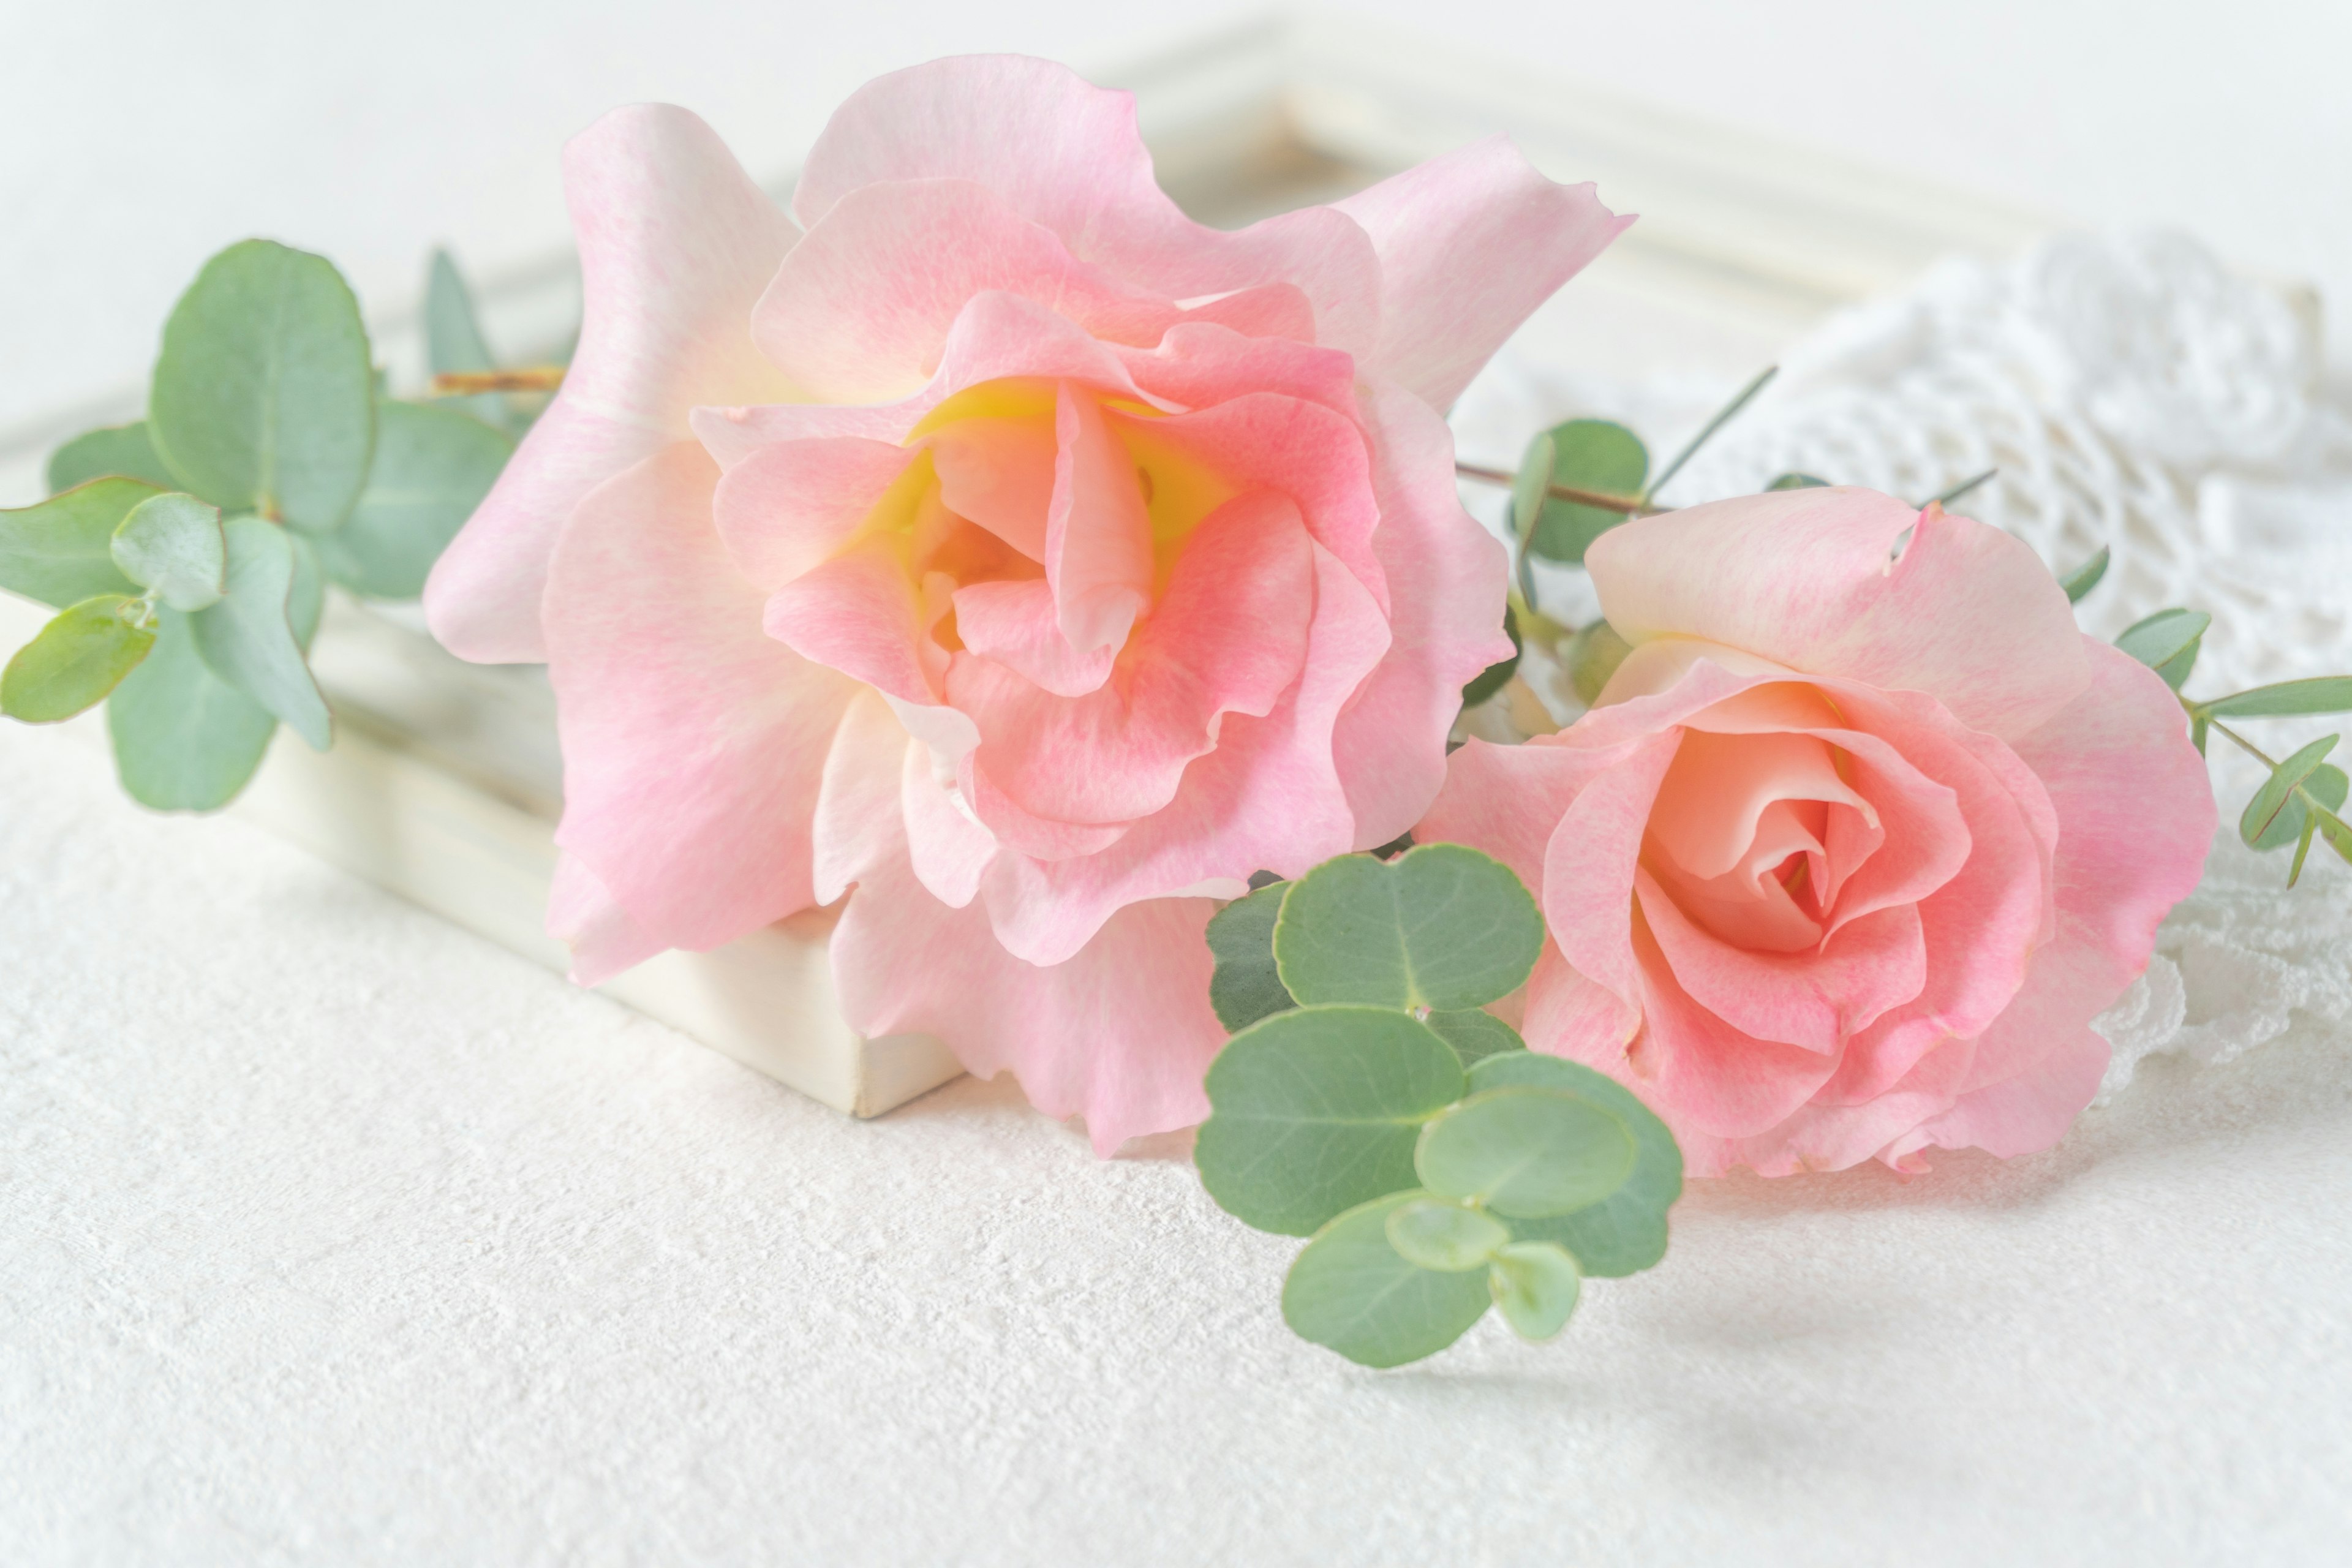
{"x":1707,"y":431}
{"x":470,"y":382}
{"x":1629,"y":506}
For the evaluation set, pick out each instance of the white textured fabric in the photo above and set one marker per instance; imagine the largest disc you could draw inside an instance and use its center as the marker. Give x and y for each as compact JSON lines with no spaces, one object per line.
{"x":332,"y":1235}
{"x":2136,"y":396}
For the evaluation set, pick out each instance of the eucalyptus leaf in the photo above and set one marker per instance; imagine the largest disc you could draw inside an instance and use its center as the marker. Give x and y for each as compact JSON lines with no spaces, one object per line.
{"x":1316,"y":1109}
{"x":1475,"y":1034}
{"x":1589,"y":454}
{"x":2320,"y":694}
{"x":110,"y":450}
{"x":263,"y":396}
{"x":75,"y":659}
{"x":1432,"y":1233}
{"x":432,"y":469}
{"x":2269,"y":802}
{"x":1353,"y":1293}
{"x":61,"y":550}
{"x":1795,"y":481}
{"x":1526,"y":1153}
{"x":2085,"y":577}
{"x":184,"y":740}
{"x":172,"y":545}
{"x":1244,"y":986}
{"x":1536,"y":1284}
{"x":1490,"y":679}
{"x":306,"y":598}
{"x":2167,"y":642}
{"x":2325,"y":783}
{"x":1592,"y":656}
{"x":1441,"y":926}
{"x":453,"y":338}
{"x":1625,"y":1232}
{"x":246,"y":637}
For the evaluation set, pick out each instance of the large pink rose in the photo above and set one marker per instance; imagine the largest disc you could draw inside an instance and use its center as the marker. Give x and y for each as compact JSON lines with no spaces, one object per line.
{"x":1857,"y":841}
{"x":1004,"y":546}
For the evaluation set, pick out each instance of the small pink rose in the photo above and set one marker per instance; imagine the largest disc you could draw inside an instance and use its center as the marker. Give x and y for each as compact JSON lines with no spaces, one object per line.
{"x":1857,"y":841}
{"x":1003,"y":545}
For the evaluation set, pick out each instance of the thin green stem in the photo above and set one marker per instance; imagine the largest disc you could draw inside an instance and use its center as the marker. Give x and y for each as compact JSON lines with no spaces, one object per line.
{"x":1963,"y":488}
{"x":1707,"y":431}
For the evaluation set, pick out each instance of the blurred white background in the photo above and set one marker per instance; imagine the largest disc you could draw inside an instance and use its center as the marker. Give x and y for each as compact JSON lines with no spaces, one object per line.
{"x":137,"y":136}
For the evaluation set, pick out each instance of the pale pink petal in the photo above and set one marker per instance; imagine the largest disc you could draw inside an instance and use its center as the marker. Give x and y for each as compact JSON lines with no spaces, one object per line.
{"x":734,"y":435}
{"x":859,"y":614}
{"x":694,"y":744}
{"x":1470,"y":244}
{"x":1228,"y":636}
{"x":948,"y":849}
{"x":1197,"y":364}
{"x":1813,"y":999}
{"x":1445,"y":621}
{"x":2135,"y":817}
{"x":1268,"y":798}
{"x":1807,"y":578}
{"x":1061,"y":152}
{"x":999,"y":472}
{"x":996,"y":336}
{"x":862,"y":309}
{"x":786,"y":510}
{"x":1121,"y":1033}
{"x":583,"y":916}
{"x":1067,"y":154}
{"x":2022,"y":1114}
{"x":1097,"y":535}
{"x":1317,"y":456}
{"x":1591,"y":860}
{"x":1017,"y":624}
{"x":855,"y":823}
{"x":1571,"y":1014}
{"x":676,"y":244}
{"x":1506,"y":801}
{"x":1701,"y":1073}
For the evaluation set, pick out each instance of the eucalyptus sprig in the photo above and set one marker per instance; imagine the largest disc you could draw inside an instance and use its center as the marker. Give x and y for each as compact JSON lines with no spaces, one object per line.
{"x":1369,"y":1101}
{"x":189,"y":553}
{"x":2301,"y":799}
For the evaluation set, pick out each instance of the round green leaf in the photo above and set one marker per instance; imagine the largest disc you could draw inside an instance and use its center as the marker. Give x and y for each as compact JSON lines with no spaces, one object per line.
{"x":264,"y":396}
{"x":172,"y":545}
{"x":1244,"y":986}
{"x":1315,"y":1110}
{"x":1441,"y":926}
{"x":1797,"y":482}
{"x":1590,"y":455}
{"x":60,"y":551}
{"x":184,"y":740}
{"x":119,"y":450}
{"x":2262,"y":825}
{"x":432,"y":469}
{"x":1475,"y":1034}
{"x":76,"y":660}
{"x":1625,"y":1232}
{"x":1535,"y":1284}
{"x":1434,"y":1233}
{"x":246,"y":637}
{"x":1526,"y":1151}
{"x":1352,"y":1292}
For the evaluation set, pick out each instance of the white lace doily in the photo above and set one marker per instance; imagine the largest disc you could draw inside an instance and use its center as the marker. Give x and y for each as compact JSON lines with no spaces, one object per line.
{"x":2135,"y":395}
